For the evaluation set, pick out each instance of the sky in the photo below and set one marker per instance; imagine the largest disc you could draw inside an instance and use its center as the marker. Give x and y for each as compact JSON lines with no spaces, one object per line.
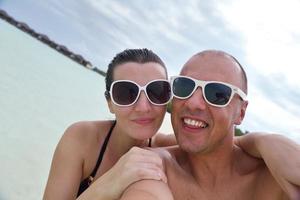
{"x":263,"y":35}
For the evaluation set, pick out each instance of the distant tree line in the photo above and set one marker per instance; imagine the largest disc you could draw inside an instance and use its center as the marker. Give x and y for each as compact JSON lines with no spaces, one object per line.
{"x":46,"y":40}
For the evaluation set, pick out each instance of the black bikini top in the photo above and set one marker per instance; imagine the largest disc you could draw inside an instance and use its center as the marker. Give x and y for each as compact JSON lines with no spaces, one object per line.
{"x":87,"y":181}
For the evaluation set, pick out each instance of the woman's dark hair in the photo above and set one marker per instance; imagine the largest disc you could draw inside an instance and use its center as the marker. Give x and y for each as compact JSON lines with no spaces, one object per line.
{"x":130,"y":55}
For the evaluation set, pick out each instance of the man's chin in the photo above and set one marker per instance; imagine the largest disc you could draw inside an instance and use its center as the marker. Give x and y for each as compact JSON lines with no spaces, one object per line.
{"x":191,"y":147}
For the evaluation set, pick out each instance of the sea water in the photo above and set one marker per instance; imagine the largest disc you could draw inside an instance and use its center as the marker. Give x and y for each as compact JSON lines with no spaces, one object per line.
{"x":42,"y":92}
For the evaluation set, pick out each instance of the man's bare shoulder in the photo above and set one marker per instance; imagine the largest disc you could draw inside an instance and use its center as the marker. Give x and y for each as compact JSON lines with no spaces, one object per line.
{"x":163,"y":140}
{"x":259,"y":176}
{"x":173,"y":160}
{"x":246,"y":164}
{"x":169,"y":153}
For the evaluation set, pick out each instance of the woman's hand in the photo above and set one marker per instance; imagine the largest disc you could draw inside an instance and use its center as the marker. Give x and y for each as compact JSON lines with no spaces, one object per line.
{"x":135,"y":165}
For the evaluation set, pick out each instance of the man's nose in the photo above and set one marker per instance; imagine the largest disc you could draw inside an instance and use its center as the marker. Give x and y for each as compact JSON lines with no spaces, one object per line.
{"x":196,"y":101}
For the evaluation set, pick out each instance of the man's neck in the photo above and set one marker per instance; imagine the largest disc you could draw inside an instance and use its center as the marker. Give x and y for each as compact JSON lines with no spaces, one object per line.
{"x":216,"y":166}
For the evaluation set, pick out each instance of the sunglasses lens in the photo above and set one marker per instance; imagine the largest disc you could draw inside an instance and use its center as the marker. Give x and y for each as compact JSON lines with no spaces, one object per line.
{"x":159,"y":92}
{"x":182,"y":87}
{"x":218,"y":94}
{"x":124,"y":93}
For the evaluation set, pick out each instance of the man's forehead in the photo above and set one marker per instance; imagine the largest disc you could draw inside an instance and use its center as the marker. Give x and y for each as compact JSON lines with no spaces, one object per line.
{"x":209,"y":62}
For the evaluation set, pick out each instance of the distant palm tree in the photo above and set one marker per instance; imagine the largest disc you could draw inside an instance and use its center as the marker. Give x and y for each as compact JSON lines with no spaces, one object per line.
{"x":239,"y":132}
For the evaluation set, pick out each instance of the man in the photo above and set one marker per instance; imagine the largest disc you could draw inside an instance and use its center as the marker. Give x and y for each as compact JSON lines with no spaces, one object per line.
{"x":209,"y":100}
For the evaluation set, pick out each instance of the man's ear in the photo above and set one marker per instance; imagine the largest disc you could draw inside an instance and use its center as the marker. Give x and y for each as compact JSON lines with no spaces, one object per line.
{"x":241,"y":113}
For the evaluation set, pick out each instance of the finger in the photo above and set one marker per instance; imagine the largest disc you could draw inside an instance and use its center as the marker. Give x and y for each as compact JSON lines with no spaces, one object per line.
{"x":142,"y":151}
{"x":144,"y":160}
{"x":150,"y":173}
{"x":136,"y":152}
{"x":144,"y":167}
{"x":137,"y":157}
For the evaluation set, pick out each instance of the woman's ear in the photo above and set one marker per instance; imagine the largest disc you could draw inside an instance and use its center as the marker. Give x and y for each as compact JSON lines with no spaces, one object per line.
{"x":109,"y":103}
{"x":241,"y":113}
{"x":110,"y":107}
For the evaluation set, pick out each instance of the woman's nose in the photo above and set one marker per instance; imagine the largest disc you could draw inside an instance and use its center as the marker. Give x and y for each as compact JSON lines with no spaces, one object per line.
{"x":142,"y":104}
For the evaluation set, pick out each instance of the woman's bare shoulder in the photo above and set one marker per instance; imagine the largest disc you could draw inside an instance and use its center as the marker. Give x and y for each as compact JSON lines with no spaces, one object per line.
{"x":85,"y":129}
{"x":85,"y":133}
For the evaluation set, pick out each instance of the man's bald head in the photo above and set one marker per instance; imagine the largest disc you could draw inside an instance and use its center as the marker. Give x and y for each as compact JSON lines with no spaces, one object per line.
{"x":229,"y":60}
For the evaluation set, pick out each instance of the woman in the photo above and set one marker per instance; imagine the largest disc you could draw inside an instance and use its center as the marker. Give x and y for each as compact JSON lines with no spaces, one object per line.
{"x":93,"y":159}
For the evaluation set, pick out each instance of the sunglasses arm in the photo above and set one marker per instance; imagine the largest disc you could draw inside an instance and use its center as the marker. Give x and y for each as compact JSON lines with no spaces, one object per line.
{"x":240,"y":93}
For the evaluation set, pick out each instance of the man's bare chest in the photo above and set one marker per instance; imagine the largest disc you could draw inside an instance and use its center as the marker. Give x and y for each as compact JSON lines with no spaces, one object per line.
{"x":186,"y":188}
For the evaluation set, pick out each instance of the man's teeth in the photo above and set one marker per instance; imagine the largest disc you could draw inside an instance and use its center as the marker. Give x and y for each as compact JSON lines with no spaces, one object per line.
{"x":195,"y":123}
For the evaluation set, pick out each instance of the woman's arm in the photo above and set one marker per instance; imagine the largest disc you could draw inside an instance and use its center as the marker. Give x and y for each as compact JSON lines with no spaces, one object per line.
{"x":281,"y":155}
{"x":68,"y":164}
{"x":137,"y":164}
{"x":148,"y":190}
{"x":66,"y":168}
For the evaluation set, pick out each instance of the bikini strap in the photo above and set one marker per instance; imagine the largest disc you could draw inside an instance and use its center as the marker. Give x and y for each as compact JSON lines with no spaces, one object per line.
{"x":149,"y":142}
{"x":103,"y":148}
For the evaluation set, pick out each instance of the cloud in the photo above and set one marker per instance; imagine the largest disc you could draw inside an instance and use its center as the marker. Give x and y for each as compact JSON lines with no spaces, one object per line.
{"x":271,"y":31}
{"x":278,"y":90}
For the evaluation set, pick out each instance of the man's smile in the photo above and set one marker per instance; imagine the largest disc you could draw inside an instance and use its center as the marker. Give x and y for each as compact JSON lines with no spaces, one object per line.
{"x":193,"y":123}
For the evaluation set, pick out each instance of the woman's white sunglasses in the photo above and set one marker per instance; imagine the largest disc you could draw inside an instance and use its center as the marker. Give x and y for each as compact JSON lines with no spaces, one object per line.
{"x":127,"y":92}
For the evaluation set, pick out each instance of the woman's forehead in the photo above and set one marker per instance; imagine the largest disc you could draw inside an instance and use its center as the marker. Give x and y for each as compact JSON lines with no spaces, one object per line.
{"x":139,"y":71}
